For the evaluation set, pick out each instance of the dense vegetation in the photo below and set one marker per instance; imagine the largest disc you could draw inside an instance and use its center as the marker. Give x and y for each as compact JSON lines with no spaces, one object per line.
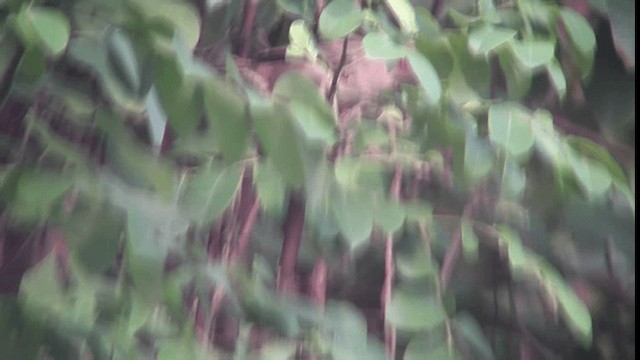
{"x":309,"y":179}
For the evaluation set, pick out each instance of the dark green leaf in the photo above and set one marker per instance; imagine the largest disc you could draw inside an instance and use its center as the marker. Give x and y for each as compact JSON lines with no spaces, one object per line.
{"x":122,"y":60}
{"x":270,"y":186}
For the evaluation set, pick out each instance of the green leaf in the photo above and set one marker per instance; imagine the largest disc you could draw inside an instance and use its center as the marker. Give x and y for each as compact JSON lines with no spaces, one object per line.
{"x":469,"y":241}
{"x":510,"y":127}
{"x":427,"y":76}
{"x":415,"y":265}
{"x":36,"y":194}
{"x":478,"y":158}
{"x":270,"y":186}
{"x":338,"y":19}
{"x":308,"y":107}
{"x":533,"y":53}
{"x":47,"y":28}
{"x":210,"y":191}
{"x":513,"y":181}
{"x":303,"y":8}
{"x":474,"y":336}
{"x":226,"y":112}
{"x":622,"y":18}
{"x":419,"y":349}
{"x":574,"y":310}
{"x":354,"y":214}
{"x":182,"y":16}
{"x":556,"y":75}
{"x":122,"y":60}
{"x":280,"y":141}
{"x":378,"y":45}
{"x":41,"y":288}
{"x":389,"y":215}
{"x":518,"y":77}
{"x":579,"y":31}
{"x":405,"y":14}
{"x":301,"y":41}
{"x":414,"y":311}
{"x":593,"y":177}
{"x":486,"y":38}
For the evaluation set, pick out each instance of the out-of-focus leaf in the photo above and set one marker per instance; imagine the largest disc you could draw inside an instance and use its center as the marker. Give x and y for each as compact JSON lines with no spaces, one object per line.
{"x":405,"y":14}
{"x":582,"y":38}
{"x":427,"y":76}
{"x":593,"y":177}
{"x":419,"y":349}
{"x":389,"y":215}
{"x":122,"y":60}
{"x":474,"y":336}
{"x":44,"y":27}
{"x":339,"y":18}
{"x":378,"y":45}
{"x":354,"y":213}
{"x":533,"y":53}
{"x":469,"y":241}
{"x":517,"y":76}
{"x":310,"y":110}
{"x":414,"y":311}
{"x":574,"y":310}
{"x":210,"y":191}
{"x":41,"y":288}
{"x":478,"y":159}
{"x":510,"y":127}
{"x":513,"y":181}
{"x":270,"y":186}
{"x":180,"y":15}
{"x":303,"y":8}
{"x":227,"y":114}
{"x":280,"y":141}
{"x":301,"y":42}
{"x":557,"y":79}
{"x":415,"y":265}
{"x":622,"y":17}
{"x":37,"y":193}
{"x":486,"y":38}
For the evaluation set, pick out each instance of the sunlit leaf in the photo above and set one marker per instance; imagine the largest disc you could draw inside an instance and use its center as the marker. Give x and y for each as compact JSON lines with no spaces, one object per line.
{"x":46,"y":27}
{"x":593,"y":177}
{"x":354,"y":214}
{"x":557,"y":79}
{"x":389,"y":215}
{"x":270,"y":186}
{"x":405,"y":14}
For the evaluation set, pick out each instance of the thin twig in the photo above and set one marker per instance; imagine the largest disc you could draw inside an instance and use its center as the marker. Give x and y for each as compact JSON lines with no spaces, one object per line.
{"x":338,"y":70}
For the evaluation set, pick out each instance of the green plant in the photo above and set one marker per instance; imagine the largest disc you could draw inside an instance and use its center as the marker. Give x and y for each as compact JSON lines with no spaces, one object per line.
{"x":411,"y":180}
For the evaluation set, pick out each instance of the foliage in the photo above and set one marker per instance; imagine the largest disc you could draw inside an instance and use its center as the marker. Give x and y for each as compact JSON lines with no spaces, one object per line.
{"x":414,"y":180}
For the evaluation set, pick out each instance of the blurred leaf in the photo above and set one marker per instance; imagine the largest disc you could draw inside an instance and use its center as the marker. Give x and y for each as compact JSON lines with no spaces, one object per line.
{"x":303,"y":8}
{"x":533,"y":53}
{"x":579,"y":30}
{"x":478,"y":159}
{"x":41,"y":288}
{"x":510,"y":127}
{"x":574,"y":310}
{"x":427,"y":76}
{"x":557,"y":79}
{"x":622,"y":18}
{"x":469,"y":241}
{"x":414,"y":311}
{"x":338,"y":19}
{"x":514,"y":181}
{"x":308,"y":107}
{"x":486,"y":38}
{"x":280,"y":141}
{"x":473,"y":334}
{"x":593,"y":177}
{"x":277,"y":350}
{"x":301,"y":42}
{"x":37,"y":193}
{"x":389,"y":215}
{"x":122,"y":60}
{"x":517,"y":76}
{"x":419,"y":349}
{"x":228,"y":117}
{"x":210,"y":191}
{"x":180,"y":15}
{"x":415,"y":265}
{"x":44,"y":27}
{"x":405,"y":14}
{"x":270,"y":186}
{"x":378,"y":45}
{"x":157,"y":119}
{"x":354,"y":213}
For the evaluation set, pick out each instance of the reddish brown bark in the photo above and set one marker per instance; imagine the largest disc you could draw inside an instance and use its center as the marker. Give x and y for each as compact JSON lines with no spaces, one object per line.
{"x":292,"y":238}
